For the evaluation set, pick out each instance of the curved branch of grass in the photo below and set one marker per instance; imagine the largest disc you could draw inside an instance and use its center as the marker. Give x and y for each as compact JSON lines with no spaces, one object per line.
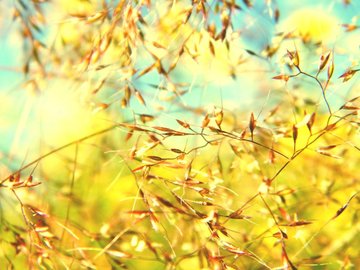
{"x":59,"y":149}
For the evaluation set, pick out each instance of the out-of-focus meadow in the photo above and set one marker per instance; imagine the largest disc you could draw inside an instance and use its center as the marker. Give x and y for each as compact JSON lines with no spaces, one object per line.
{"x":179,"y":134}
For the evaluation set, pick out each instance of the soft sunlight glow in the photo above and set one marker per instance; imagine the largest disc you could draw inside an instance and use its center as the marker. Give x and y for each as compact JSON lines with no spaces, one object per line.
{"x":312,"y":24}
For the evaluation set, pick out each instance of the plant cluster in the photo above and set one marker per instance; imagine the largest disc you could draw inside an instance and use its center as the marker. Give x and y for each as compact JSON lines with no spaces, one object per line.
{"x":181,"y":178}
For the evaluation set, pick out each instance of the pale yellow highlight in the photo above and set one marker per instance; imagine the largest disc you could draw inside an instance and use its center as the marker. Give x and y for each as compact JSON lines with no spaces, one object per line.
{"x":79,"y":7}
{"x":316,"y":25}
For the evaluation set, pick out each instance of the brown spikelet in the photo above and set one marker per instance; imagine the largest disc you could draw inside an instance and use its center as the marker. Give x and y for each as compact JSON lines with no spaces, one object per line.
{"x":252,"y":125}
